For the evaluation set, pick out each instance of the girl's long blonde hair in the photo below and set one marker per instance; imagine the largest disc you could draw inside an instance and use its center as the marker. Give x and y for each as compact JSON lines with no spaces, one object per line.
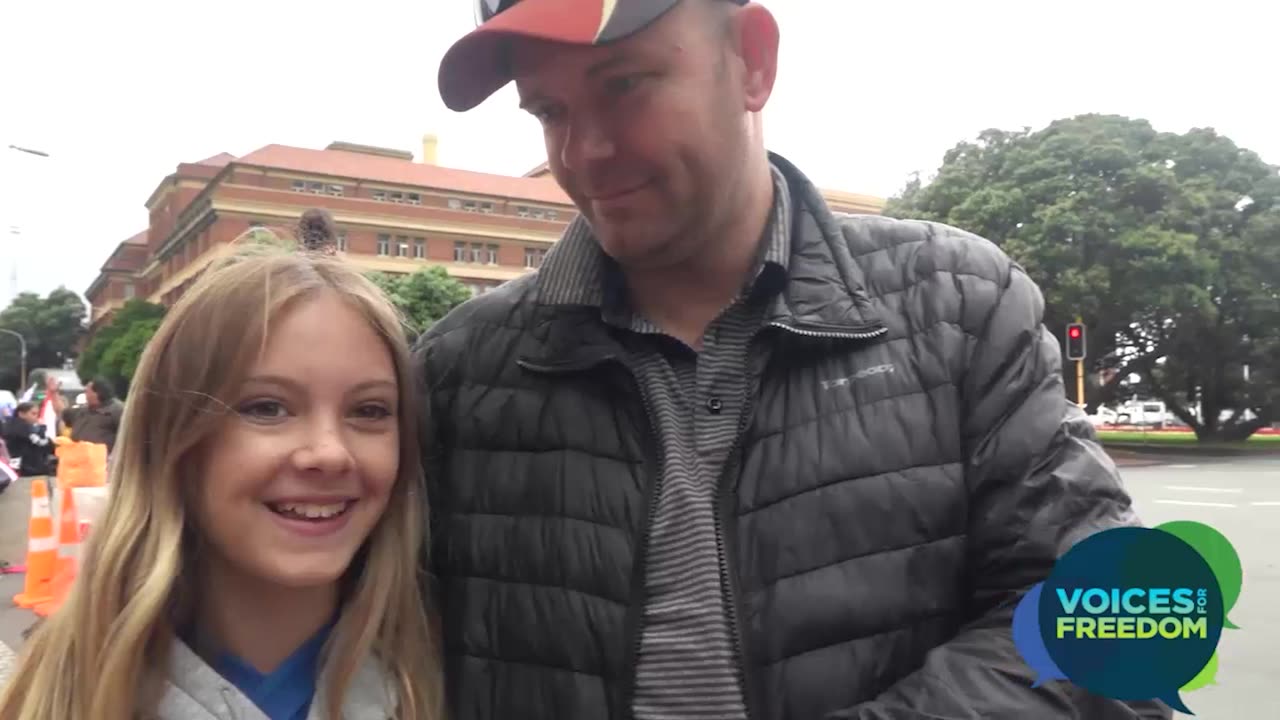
{"x":104,"y":653}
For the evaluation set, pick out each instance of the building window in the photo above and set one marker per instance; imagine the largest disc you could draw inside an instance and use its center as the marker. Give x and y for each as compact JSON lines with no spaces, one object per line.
{"x":413,"y":199}
{"x":477,"y":253}
{"x":396,"y":197}
{"x":533,"y":257}
{"x":384,"y":244}
{"x":335,"y":190}
{"x":316,"y":188}
{"x":380,"y":195}
{"x":493,"y":254}
{"x":522,"y":211}
{"x":469,"y":206}
{"x":455,"y":204}
{"x":402,"y":246}
{"x":129,"y":291}
{"x":459,"y":252}
{"x":486,"y":207}
{"x":299,"y":186}
{"x":551,"y":214}
{"x":342,"y":241}
{"x":419,"y":248}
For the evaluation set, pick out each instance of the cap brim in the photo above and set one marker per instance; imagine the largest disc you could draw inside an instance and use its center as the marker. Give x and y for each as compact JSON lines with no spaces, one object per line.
{"x":476,"y":66}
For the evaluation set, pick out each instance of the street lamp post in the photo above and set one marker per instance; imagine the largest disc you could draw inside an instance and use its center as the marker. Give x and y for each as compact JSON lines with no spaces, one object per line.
{"x":38,"y":153}
{"x":29,"y":151}
{"x":22,"y":350}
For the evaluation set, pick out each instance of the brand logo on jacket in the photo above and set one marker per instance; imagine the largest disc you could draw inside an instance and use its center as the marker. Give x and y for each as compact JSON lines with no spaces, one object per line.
{"x":860,"y":375}
{"x":1133,"y":613}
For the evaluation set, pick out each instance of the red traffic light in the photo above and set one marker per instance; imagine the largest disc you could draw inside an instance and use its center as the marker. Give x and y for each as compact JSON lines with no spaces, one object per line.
{"x":1075,"y":341}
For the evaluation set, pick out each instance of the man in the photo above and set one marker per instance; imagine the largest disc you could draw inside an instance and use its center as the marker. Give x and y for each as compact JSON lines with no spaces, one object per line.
{"x":727,"y":454}
{"x":99,"y":420}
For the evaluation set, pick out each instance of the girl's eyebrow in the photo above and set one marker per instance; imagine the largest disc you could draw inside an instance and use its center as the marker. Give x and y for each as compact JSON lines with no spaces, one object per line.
{"x":291,"y":384}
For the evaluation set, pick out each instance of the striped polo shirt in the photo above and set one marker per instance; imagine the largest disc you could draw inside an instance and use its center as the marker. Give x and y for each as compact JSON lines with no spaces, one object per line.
{"x":687,"y":667}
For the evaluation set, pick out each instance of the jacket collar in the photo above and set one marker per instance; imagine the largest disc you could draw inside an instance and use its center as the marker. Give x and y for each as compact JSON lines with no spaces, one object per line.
{"x":825,"y":283}
{"x":822,"y":298}
{"x":196,"y":691}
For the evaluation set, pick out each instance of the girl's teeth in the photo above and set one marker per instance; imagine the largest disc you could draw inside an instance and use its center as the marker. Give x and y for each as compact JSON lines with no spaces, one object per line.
{"x":311,"y":512}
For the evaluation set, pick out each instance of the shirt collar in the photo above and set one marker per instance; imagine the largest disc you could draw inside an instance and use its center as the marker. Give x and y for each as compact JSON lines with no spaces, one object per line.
{"x":577,"y":272}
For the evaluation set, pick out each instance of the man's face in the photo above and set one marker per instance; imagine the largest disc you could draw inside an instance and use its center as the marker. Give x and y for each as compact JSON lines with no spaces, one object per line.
{"x":29,"y":415}
{"x":90,"y":396}
{"x":645,"y":135}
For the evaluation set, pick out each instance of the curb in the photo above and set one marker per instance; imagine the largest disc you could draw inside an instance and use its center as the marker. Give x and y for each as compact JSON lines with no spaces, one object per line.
{"x":1188,"y":450}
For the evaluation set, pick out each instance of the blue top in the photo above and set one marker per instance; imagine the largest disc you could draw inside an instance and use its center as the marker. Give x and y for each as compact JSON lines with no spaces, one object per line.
{"x":286,"y":692}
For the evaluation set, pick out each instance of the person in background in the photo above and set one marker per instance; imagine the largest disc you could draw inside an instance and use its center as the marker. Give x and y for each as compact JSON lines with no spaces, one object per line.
{"x":29,"y":447}
{"x":257,"y":556}
{"x":99,"y":420}
{"x":727,"y":453}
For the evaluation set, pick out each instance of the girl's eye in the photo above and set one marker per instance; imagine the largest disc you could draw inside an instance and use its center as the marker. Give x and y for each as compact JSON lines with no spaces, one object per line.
{"x":263,"y":410}
{"x":373,"y":411}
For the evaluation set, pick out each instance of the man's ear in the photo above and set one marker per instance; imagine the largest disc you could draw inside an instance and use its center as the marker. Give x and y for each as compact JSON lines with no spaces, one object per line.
{"x":756,"y":35}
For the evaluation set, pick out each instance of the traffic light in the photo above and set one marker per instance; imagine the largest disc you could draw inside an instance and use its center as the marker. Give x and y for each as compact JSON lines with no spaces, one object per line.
{"x":1075,"y":341}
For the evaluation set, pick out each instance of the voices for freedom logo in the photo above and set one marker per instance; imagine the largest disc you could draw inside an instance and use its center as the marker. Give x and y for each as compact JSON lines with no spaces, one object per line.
{"x":1133,"y":613}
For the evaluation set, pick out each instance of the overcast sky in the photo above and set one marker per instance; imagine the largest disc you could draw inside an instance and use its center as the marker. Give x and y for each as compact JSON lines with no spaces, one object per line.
{"x":120,"y":92}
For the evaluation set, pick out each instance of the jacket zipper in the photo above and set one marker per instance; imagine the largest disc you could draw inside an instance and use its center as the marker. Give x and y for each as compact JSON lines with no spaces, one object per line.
{"x":875,"y":331}
{"x":725,"y":517}
{"x":635,"y":613}
{"x":723,"y":523}
{"x":640,"y":576}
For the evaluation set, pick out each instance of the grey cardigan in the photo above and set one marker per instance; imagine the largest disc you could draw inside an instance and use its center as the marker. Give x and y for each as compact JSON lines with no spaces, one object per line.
{"x":196,"y":691}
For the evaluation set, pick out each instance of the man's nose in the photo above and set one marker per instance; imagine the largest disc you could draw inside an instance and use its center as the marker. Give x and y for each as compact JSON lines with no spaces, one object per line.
{"x":587,"y":140}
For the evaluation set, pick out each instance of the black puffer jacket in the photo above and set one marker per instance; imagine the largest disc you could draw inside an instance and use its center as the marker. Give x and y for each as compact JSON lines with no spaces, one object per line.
{"x":911,"y":466}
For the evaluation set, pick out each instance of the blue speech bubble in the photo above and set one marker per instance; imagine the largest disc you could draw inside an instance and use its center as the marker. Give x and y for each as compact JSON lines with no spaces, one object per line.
{"x":1132,"y":614}
{"x":1029,"y":641}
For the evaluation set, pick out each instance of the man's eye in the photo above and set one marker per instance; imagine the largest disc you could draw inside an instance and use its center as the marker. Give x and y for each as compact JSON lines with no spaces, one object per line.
{"x":544,"y":115}
{"x":622,"y":84}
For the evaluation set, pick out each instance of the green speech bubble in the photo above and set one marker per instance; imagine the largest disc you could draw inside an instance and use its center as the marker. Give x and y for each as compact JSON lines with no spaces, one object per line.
{"x":1207,"y":676}
{"x":1219,"y":553}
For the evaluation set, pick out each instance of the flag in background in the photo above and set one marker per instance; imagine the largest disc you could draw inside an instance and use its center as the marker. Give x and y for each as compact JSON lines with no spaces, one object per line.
{"x":49,"y":418}
{"x":48,"y":415}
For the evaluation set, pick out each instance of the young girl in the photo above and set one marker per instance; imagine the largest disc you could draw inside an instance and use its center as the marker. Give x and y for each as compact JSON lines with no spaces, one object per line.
{"x":258,"y":558}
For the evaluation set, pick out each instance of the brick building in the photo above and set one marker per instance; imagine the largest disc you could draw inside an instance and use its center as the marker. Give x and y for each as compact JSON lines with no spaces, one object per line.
{"x":393,"y":215}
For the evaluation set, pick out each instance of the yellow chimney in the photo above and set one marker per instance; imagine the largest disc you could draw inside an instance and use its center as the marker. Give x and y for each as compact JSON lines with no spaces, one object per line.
{"x":429,"y":144}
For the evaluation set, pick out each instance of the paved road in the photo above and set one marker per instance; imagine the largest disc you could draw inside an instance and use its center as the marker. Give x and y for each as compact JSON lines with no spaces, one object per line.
{"x":15,"y":512}
{"x":1240,"y":497}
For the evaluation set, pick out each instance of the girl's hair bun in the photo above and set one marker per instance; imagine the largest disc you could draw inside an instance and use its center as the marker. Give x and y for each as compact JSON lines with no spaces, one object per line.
{"x":317,"y":231}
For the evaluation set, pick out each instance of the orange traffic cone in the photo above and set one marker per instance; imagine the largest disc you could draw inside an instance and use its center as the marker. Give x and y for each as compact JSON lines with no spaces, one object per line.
{"x":68,"y":556}
{"x":42,"y":549}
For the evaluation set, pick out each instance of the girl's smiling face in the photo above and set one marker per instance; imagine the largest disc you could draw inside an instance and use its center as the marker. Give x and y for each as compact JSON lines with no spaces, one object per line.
{"x":298,"y":474}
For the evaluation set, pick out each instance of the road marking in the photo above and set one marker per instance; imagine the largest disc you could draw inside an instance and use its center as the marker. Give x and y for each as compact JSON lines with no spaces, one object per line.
{"x":1266,"y":502}
{"x":1195,"y":503}
{"x":1181,"y":467}
{"x":1192,"y":488}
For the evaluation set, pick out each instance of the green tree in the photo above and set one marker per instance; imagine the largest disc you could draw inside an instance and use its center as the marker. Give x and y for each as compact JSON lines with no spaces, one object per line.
{"x":51,"y":327}
{"x":423,"y":297}
{"x":114,"y":351}
{"x":1167,"y":245}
